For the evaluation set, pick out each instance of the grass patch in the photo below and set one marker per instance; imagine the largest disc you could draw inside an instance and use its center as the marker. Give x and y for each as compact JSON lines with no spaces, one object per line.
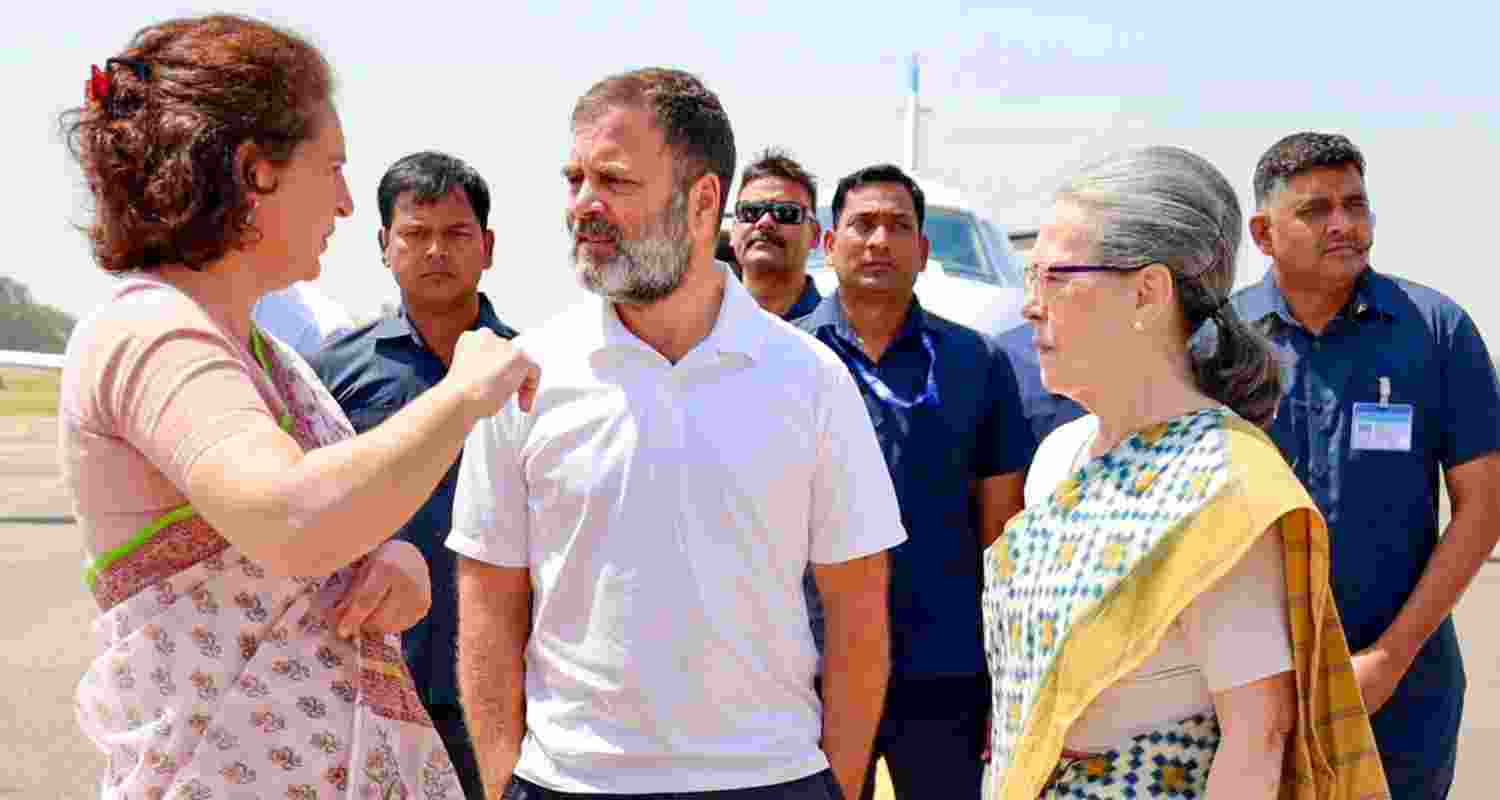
{"x":28,"y":392}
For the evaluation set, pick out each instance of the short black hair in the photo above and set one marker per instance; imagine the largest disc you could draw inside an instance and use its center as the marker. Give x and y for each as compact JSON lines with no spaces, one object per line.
{"x":688,"y":114}
{"x":1299,"y":152}
{"x":880,"y":173}
{"x":431,"y":176}
{"x":774,"y":162}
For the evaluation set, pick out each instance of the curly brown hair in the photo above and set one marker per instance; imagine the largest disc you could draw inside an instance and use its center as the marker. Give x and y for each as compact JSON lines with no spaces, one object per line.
{"x":165,"y":153}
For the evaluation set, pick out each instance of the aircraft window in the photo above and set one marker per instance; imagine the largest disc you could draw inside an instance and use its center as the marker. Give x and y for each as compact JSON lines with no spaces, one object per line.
{"x":1009,"y":263}
{"x":955,"y":244}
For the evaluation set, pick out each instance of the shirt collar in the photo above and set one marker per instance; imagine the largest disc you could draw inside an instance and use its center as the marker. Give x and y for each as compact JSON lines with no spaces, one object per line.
{"x":830,"y":315}
{"x":740,"y":328}
{"x":1372,"y":295}
{"x":806,"y":303}
{"x":399,"y":324}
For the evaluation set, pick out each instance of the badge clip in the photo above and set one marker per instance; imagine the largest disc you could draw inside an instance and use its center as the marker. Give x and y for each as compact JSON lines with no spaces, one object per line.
{"x":1385,"y":391}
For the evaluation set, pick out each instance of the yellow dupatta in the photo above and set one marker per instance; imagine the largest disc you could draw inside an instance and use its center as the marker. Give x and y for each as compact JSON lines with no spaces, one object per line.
{"x":1332,"y":754}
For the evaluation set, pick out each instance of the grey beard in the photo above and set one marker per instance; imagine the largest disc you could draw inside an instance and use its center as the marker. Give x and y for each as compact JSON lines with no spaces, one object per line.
{"x":645,"y":270}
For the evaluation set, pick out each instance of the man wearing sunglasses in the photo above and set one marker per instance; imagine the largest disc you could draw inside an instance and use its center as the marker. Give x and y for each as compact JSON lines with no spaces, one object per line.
{"x":775,"y":228}
{"x":948,"y":418}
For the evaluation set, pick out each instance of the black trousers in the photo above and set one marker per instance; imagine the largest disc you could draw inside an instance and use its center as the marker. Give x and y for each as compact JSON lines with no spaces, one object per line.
{"x":819,"y":786}
{"x":932,"y":735}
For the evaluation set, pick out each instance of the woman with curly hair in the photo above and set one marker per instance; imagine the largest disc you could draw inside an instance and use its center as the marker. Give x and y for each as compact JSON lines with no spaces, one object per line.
{"x":236,"y":528}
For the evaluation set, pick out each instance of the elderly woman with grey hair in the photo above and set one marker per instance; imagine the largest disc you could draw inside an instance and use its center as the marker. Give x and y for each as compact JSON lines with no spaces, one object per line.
{"x":1158,"y":619}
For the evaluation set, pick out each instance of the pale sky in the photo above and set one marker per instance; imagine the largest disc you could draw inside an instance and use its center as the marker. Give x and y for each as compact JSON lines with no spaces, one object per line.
{"x":1017,"y":96}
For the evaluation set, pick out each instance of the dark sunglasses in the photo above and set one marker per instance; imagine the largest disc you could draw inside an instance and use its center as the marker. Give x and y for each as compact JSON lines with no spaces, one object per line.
{"x":783,"y":213}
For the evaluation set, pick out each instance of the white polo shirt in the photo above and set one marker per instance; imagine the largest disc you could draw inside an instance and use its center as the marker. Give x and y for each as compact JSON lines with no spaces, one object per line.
{"x":667,"y":514}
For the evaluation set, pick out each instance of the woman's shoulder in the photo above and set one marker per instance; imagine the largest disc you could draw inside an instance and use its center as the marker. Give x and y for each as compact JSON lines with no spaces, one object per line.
{"x":1259,"y":464}
{"x":142,"y":323}
{"x":1069,"y":434}
{"x":1055,"y":454}
{"x":1245,"y":440}
{"x":146,"y":308}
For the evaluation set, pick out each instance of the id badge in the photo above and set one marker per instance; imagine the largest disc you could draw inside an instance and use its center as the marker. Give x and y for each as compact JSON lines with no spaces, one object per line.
{"x":1382,"y":426}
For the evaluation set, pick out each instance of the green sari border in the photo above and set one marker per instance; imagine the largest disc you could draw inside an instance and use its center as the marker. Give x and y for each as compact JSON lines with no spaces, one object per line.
{"x":99,"y":565}
{"x":258,"y":346}
{"x":185,"y":511}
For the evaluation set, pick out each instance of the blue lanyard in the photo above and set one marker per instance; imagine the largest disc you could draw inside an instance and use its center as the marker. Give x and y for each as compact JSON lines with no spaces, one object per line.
{"x":883,"y":392}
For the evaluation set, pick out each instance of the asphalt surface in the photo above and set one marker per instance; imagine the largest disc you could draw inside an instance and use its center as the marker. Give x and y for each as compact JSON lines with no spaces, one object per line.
{"x":46,"y":641}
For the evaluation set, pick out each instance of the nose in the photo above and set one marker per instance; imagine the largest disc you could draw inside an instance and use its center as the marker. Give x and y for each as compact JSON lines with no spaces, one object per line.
{"x":344,"y":205}
{"x":765,"y":220}
{"x":585,"y":200}
{"x":1339,"y":220}
{"x":1031,"y":309}
{"x":880,"y":237}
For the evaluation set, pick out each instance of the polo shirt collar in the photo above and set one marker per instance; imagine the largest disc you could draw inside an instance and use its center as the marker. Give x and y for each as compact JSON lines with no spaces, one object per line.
{"x":1373,"y":294}
{"x":399,"y":325}
{"x":740,"y":328}
{"x":830,"y":314}
{"x":807,"y":302}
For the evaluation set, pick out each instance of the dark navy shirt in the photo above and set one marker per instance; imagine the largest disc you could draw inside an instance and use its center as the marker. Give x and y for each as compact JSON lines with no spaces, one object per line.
{"x":935,"y":452}
{"x":1381,"y":505}
{"x":373,"y":372}
{"x":1044,"y":410}
{"x":807,"y":302}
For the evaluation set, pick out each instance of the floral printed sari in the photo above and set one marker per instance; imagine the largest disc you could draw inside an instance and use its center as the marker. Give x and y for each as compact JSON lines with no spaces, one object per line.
{"x":218,"y":681}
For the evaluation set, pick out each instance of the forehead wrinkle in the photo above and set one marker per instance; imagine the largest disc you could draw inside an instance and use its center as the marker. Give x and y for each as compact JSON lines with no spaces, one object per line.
{"x":612,"y":130}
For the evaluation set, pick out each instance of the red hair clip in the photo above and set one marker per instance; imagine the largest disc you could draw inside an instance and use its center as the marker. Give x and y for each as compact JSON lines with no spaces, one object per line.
{"x":97,"y":88}
{"x":101,"y":82}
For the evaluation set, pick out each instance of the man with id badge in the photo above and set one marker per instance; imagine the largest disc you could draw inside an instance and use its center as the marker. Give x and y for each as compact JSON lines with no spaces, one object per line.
{"x":1389,"y":385}
{"x":947,"y":414}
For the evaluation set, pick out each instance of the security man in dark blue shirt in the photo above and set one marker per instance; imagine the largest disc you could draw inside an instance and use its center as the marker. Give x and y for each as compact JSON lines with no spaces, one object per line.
{"x":775,"y":228}
{"x":1390,"y":388}
{"x":434,"y":240}
{"x":947,"y":414}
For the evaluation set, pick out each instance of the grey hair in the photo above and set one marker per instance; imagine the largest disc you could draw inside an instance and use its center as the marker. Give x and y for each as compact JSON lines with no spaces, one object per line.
{"x":1166,"y":205}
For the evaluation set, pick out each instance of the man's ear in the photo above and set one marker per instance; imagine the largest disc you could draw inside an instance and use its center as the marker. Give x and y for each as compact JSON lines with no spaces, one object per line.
{"x":489,"y":248}
{"x":710,"y":196}
{"x":1260,"y":232}
{"x":380,"y":239}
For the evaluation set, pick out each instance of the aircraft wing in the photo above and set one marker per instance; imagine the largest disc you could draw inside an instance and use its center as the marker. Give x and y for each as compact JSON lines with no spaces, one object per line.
{"x":24,"y":358}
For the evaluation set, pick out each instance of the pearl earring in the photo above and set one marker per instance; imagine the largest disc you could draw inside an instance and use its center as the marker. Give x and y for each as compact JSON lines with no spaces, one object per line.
{"x":1138,"y":326}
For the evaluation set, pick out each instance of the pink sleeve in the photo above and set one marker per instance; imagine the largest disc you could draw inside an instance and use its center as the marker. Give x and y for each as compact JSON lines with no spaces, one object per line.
{"x":1238,"y":630}
{"x":174,"y":392}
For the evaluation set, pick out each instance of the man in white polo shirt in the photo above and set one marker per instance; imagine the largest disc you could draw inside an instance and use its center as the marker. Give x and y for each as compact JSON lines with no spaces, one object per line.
{"x":631,"y":616}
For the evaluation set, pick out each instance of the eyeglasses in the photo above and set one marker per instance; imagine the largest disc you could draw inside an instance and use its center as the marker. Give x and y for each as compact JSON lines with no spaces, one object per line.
{"x":784,"y":213}
{"x":1042,"y":283}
